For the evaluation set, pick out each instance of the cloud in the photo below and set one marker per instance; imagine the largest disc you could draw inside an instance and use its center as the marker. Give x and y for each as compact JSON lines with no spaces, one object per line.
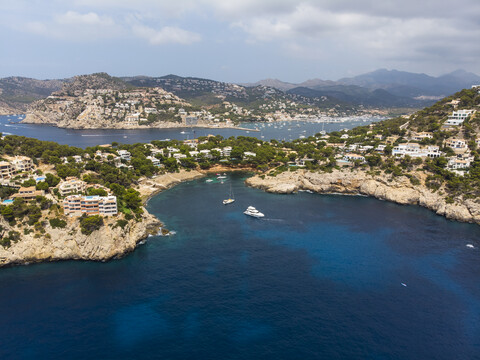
{"x":166,"y":35}
{"x":74,"y":26}
{"x":88,"y":19}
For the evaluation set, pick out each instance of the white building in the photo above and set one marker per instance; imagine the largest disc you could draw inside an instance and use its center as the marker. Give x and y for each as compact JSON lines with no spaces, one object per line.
{"x":76,"y":205}
{"x":458,"y":117}
{"x":71,"y":185}
{"x":353,"y":157}
{"x":154,"y":160}
{"x":226,"y":151}
{"x":455,"y":164}
{"x":421,"y":136}
{"x":456,"y":143}
{"x":415,"y":150}
{"x":124,"y":155}
{"x":22,"y":163}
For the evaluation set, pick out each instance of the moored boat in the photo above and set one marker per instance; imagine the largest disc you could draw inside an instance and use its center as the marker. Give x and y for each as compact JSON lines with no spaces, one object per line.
{"x":251,"y":211}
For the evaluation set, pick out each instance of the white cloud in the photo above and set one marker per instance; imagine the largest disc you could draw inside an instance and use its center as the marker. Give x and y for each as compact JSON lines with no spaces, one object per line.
{"x":88,"y":19}
{"x":74,"y":26}
{"x":166,"y":35}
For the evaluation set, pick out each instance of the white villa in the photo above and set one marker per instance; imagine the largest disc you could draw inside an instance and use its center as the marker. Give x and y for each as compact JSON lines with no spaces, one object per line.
{"x":458,"y":117}
{"x":415,"y":150}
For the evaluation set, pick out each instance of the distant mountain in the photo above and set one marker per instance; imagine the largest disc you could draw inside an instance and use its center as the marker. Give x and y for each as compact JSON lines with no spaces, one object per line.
{"x":398,"y":88}
{"x":408,"y":84}
{"x":17,"y":92}
{"x":274,"y":83}
{"x":357,"y":95}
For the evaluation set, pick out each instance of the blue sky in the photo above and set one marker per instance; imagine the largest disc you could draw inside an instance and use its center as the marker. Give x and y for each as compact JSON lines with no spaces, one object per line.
{"x":237,"y":40}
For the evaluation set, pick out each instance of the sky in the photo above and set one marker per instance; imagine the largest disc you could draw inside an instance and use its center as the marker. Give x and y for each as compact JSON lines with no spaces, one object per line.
{"x":237,"y":40}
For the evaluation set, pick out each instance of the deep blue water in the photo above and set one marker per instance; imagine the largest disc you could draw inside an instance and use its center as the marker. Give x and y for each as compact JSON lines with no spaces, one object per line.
{"x":287,"y":130}
{"x":319,"y":278}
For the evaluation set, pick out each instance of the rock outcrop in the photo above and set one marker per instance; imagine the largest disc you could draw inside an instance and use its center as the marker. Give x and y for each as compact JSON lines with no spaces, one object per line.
{"x":107,"y":243}
{"x":399,"y":190}
{"x":152,"y":186}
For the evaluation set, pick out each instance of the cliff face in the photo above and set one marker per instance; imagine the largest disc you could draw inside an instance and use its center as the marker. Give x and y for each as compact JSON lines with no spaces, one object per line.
{"x":69,"y":243}
{"x":398,"y":190}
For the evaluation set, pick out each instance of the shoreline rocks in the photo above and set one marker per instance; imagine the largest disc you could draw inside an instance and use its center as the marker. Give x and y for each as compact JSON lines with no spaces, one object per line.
{"x":398,"y":190}
{"x":109,"y":242}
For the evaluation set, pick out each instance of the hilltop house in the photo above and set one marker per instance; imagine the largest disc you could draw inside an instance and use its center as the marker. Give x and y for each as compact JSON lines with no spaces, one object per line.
{"x":415,"y":150}
{"x":22,"y":163}
{"x":71,"y":185}
{"x":458,"y":117}
{"x":7,"y":170}
{"x":353,"y":157}
{"x":28,"y":193}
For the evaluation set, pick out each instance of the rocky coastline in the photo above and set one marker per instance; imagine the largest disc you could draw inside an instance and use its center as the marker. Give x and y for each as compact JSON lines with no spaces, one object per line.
{"x":47,"y":118}
{"x":109,"y":242}
{"x":149,"y":187}
{"x":358,"y":182}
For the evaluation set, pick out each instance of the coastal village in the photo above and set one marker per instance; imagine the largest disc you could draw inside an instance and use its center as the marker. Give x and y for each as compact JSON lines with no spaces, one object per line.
{"x":100,"y":101}
{"x":48,"y":186}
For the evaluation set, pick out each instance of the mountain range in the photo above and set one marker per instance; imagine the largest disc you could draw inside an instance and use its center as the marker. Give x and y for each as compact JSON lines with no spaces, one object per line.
{"x":381,"y":87}
{"x":378,"y":89}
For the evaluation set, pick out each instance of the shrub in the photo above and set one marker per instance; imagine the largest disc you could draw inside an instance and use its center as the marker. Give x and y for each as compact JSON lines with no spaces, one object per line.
{"x":57,"y":223}
{"x":89,"y":224}
{"x":121,"y":223}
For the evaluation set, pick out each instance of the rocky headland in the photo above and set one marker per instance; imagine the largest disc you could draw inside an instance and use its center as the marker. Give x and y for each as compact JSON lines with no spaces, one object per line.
{"x":109,"y":242}
{"x":357,"y":182}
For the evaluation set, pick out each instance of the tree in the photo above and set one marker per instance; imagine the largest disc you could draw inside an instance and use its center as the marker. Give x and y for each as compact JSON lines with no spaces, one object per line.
{"x":42,"y":185}
{"x":89,"y":224}
{"x":7,"y":213}
{"x":132,"y":200}
{"x":51,"y":180}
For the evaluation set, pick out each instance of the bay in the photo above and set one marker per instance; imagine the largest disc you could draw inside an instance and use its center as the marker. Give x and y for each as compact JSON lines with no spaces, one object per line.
{"x":286,"y":130}
{"x":321,"y":276}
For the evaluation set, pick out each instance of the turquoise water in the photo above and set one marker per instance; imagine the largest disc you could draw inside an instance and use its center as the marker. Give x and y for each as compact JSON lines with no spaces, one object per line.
{"x":332,"y":277}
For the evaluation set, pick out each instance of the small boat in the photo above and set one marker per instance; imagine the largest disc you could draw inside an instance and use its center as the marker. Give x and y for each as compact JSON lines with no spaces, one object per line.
{"x":251,"y":211}
{"x":221,"y":177}
{"x":208,"y":180}
{"x":231,"y":198}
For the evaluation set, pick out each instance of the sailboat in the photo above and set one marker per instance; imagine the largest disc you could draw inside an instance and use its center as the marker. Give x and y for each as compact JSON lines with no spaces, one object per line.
{"x":231,"y":198}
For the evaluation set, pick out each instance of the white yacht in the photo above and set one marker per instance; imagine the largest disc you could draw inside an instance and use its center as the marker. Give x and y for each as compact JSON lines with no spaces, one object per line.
{"x":251,"y":211}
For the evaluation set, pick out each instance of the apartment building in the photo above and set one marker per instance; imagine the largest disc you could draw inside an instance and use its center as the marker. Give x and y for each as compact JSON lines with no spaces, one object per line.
{"x":7,"y":170}
{"x":77,"y":205}
{"x":71,"y":185}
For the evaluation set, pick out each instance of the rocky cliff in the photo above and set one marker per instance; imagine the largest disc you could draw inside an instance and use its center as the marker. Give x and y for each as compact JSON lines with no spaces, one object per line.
{"x":398,"y":190}
{"x":69,"y":243}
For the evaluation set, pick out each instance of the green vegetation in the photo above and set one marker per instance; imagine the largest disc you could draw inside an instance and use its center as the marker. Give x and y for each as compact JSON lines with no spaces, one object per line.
{"x":58,"y":223}
{"x":89,"y":224}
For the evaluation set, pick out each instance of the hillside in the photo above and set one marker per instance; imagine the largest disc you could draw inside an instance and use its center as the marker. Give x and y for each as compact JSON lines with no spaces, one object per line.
{"x":101,"y":101}
{"x":357,"y":95}
{"x":17,"y":92}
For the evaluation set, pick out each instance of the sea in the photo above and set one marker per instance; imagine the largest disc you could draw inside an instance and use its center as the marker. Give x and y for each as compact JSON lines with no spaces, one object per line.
{"x":319,"y":277}
{"x":283,"y":130}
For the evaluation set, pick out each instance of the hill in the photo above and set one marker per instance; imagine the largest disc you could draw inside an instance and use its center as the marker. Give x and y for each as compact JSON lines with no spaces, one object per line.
{"x":17,"y":92}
